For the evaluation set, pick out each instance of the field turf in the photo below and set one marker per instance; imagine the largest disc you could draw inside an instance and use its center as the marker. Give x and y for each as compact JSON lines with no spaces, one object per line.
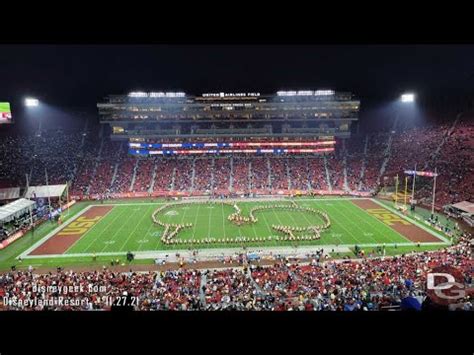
{"x":129,"y":227}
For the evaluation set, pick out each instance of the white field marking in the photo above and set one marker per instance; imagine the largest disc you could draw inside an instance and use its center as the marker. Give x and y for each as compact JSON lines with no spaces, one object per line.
{"x":231,"y":251}
{"x":291,"y":217}
{"x":109,"y":242}
{"x":134,"y":229}
{"x":154,"y":234}
{"x":348,"y":231}
{"x":377,"y":223}
{"x":363,"y":220}
{"x":380,"y":222}
{"x":118,"y":229}
{"x":334,"y":235}
{"x":409,"y":219}
{"x":368,"y":234}
{"x":53,"y":232}
{"x":98,"y":237}
{"x":181,"y":222}
{"x":195,"y":223}
{"x":82,"y":236}
{"x":239,"y":200}
{"x":171,"y":213}
{"x":182,"y":218}
{"x":265,"y":219}
{"x":278,"y":218}
{"x":223,"y":219}
{"x":131,"y":204}
{"x":148,"y":233}
{"x":209,"y":225}
{"x":142,"y":241}
{"x":254,"y":231}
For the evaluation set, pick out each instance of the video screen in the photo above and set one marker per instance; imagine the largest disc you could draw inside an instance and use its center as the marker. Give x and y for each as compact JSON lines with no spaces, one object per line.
{"x":5,"y":113}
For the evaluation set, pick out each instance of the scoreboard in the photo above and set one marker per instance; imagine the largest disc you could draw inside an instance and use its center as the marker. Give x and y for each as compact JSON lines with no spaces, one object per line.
{"x":5,"y":113}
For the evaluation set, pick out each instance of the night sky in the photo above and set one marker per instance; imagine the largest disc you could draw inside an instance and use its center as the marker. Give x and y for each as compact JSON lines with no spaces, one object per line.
{"x":78,"y":76}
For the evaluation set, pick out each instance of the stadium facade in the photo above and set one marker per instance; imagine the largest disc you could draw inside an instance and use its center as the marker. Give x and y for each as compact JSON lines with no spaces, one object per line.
{"x":155,"y":117}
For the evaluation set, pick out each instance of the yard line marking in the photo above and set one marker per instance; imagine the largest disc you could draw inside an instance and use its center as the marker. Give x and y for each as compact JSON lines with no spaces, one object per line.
{"x":77,"y":241}
{"x":385,"y":226}
{"x":265,"y":219}
{"x":374,"y":226}
{"x":134,"y":229}
{"x":147,"y":233}
{"x":343,"y":227}
{"x":53,"y":232}
{"x":409,"y":219}
{"x":209,"y":221}
{"x":195,"y":222}
{"x":322,"y":235}
{"x":107,"y":226}
{"x":223,"y":219}
{"x":229,"y":251}
{"x":119,"y":229}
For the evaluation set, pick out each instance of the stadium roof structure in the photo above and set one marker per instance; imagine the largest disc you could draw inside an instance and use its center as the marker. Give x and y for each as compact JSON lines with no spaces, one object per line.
{"x":45,"y":191}
{"x":464,"y":206}
{"x":15,"y":209}
{"x":9,"y":193}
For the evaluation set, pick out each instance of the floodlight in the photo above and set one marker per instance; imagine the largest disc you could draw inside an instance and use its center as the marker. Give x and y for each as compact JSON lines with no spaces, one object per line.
{"x":409,"y":97}
{"x":30,"y":102}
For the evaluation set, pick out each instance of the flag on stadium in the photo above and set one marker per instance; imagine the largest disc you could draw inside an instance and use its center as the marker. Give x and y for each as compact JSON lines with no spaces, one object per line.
{"x":421,"y":173}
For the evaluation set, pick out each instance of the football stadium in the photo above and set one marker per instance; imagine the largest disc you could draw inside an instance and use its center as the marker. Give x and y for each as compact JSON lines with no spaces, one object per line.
{"x":170,"y":200}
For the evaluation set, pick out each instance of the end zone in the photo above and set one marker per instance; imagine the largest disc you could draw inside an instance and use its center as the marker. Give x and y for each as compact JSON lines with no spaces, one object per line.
{"x":63,"y":237}
{"x":403,"y":225}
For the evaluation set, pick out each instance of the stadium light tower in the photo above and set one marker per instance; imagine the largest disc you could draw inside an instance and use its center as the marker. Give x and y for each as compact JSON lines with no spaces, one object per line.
{"x":31,"y":102}
{"x":407,"y":97}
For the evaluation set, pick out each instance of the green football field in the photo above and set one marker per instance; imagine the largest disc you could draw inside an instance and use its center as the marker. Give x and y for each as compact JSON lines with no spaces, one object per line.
{"x":4,"y":107}
{"x":129,"y":226}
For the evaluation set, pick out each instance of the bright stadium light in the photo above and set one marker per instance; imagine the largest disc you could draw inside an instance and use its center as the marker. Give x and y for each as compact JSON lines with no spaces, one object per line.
{"x":408,"y":97}
{"x":323,"y":92}
{"x":138,"y":94}
{"x":31,"y":102}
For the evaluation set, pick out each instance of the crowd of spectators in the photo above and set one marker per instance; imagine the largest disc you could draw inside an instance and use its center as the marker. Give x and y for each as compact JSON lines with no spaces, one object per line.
{"x":317,"y":174}
{"x":221,"y":174}
{"x":279,"y":173}
{"x":97,"y":165}
{"x":144,"y":175}
{"x":164,"y":174}
{"x":183,"y":174}
{"x":259,"y":173}
{"x":336,"y":171}
{"x":202,"y":174}
{"x":56,"y":150}
{"x":123,"y":177}
{"x":367,"y":284}
{"x":240,"y":178}
{"x":299,"y":173}
{"x":454,"y":173}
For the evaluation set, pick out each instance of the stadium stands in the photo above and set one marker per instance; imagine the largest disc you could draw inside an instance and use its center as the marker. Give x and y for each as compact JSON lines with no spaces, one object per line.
{"x":99,"y":166}
{"x":368,"y":284}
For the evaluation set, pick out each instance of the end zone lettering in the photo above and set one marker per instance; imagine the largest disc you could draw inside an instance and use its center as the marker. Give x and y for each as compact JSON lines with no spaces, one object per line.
{"x":80,"y":226}
{"x":387,"y":217}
